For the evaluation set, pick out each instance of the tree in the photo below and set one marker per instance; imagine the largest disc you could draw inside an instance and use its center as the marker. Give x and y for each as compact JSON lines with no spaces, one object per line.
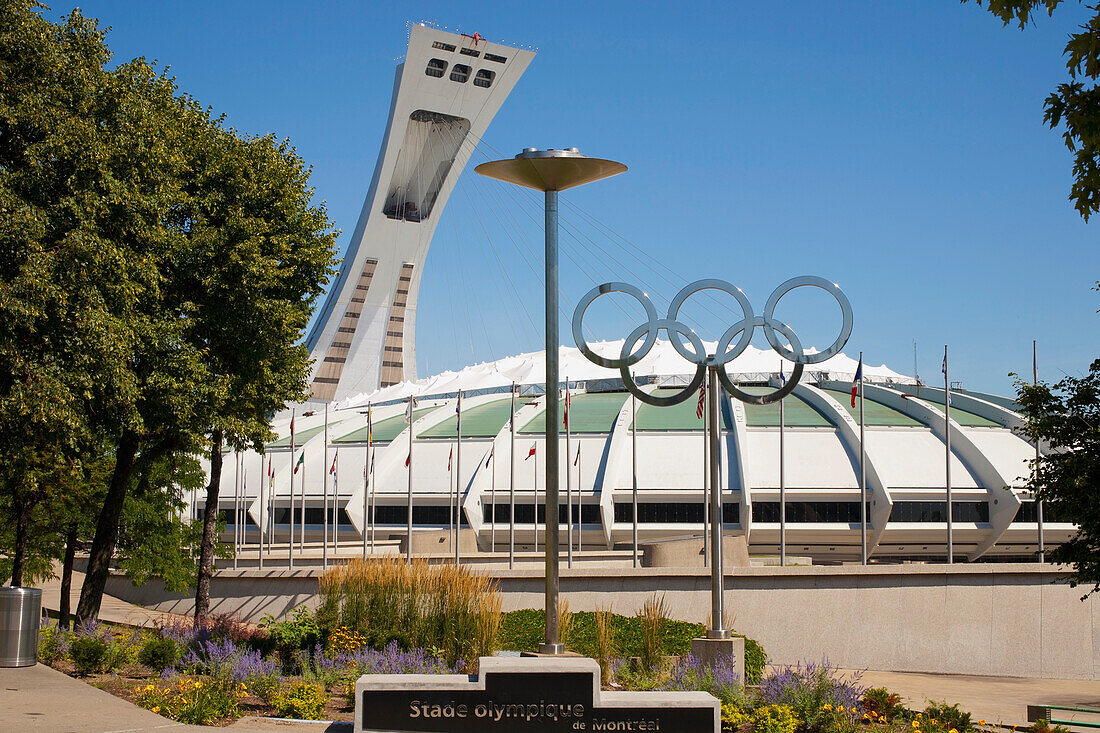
{"x":1066,"y":418}
{"x":1075,"y":103}
{"x":266,"y":254}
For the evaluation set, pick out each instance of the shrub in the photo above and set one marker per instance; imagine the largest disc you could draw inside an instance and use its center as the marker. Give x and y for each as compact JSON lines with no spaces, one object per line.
{"x":774,"y":719}
{"x":605,"y":644}
{"x":815,"y":692}
{"x":414,"y":604}
{"x":291,"y":635}
{"x":192,"y":701}
{"x":89,"y":655}
{"x":733,"y":717}
{"x":653,"y":618}
{"x":159,"y":653}
{"x":882,"y":705}
{"x":1041,"y":726}
{"x":227,"y":661}
{"x":53,"y":644}
{"x":948,"y":716}
{"x":721,"y":680}
{"x":301,"y":700}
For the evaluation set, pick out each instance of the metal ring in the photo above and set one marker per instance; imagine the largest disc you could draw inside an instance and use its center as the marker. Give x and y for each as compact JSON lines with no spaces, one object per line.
{"x":786,"y":389}
{"x":670,"y":327}
{"x":832,"y":289}
{"x":604,"y":289}
{"x":721,"y":356}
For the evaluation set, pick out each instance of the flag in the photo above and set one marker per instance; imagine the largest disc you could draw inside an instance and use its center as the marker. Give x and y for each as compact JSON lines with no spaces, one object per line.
{"x":409,"y":410}
{"x":565,"y":412}
{"x":301,"y":460}
{"x":407,"y":459}
{"x":943,"y":367}
{"x":451,"y":453}
{"x":332,"y":469}
{"x":292,"y":425}
{"x":702,"y":397}
{"x":782,"y":376}
{"x":491,"y":451}
{"x":578,"y":455}
{"x":855,"y":380}
{"x":530,"y":452}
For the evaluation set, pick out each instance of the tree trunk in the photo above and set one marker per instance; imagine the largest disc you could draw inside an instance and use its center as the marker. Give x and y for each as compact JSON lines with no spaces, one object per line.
{"x":106,"y":531}
{"x":209,"y":528}
{"x":67,"y":578}
{"x":19,"y":557}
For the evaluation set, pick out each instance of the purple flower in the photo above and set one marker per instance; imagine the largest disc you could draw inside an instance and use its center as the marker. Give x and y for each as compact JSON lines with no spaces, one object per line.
{"x":808,"y":687}
{"x":225,"y":659}
{"x":392,"y":660}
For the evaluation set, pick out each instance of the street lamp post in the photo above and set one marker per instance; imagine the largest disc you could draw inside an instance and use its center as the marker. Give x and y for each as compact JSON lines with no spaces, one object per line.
{"x":551,"y":171}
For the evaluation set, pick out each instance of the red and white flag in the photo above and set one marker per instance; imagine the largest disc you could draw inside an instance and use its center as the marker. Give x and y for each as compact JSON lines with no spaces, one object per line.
{"x":491,"y":451}
{"x":407,"y":458}
{"x":565,"y":412}
{"x":702,"y":397}
{"x":856,"y":380}
{"x":530,"y":452}
{"x":451,"y":453}
{"x":332,"y":468}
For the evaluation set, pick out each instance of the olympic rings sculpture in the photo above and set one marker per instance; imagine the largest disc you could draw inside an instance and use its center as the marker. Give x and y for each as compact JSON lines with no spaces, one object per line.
{"x":732,"y":344}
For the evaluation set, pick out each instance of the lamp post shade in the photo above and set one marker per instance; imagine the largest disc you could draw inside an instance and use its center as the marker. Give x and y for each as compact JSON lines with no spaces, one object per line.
{"x":550,"y":170}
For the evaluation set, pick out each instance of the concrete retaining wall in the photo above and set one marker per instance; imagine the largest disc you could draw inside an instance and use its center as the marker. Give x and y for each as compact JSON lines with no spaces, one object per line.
{"x":986,"y":619}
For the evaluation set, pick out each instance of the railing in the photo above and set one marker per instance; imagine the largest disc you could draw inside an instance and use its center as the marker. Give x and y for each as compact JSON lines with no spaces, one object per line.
{"x":1047,"y":712}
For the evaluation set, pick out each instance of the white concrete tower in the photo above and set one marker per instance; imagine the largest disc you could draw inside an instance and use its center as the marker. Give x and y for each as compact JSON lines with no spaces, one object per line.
{"x":446,"y":92}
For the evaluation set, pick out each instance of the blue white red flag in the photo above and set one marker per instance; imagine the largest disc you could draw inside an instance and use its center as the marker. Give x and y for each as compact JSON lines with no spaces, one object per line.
{"x":856,"y":380}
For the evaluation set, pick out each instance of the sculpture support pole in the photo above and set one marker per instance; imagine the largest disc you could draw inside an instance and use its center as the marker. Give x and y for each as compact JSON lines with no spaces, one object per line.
{"x":552,"y":644}
{"x":716,"y":630}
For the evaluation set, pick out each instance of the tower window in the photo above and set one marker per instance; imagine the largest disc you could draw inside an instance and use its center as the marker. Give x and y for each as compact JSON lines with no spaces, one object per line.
{"x":470,"y":52}
{"x":443,"y":46}
{"x":436,"y":67}
{"x":484,"y":78}
{"x":494,"y":57}
{"x":460,"y":73}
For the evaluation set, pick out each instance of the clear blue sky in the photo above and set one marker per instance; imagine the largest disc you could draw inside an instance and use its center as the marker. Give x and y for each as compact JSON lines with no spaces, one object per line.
{"x":896,"y":148}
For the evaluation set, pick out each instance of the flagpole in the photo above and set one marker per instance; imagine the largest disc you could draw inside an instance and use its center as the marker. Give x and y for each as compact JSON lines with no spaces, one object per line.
{"x":324,"y":500}
{"x":947,"y":463}
{"x":512,"y":484}
{"x":568,"y":480}
{"x":706,"y":477}
{"x":782,"y":482}
{"x":493,"y":503}
{"x":458,"y":488}
{"x":862,"y":474}
{"x":335,"y":503}
{"x":1038,"y":504}
{"x":717,"y":578}
{"x":262,"y":524}
{"x":236,"y":508}
{"x":634,"y":474}
{"x":580,"y":513}
{"x":536,"y":493}
{"x":409,"y":513}
{"x":370,"y":476}
{"x":302,"y":503}
{"x":293,"y":470}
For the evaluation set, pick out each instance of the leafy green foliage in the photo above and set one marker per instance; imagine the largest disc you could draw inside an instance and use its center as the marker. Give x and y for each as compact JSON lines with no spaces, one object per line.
{"x":1065,"y":418}
{"x":523,"y":631}
{"x":948,"y":717}
{"x":1074,"y":103}
{"x":89,"y":655}
{"x":159,"y":653}
{"x":885,"y":705}
{"x":302,"y":700}
{"x":774,"y":719}
{"x":290,"y":636}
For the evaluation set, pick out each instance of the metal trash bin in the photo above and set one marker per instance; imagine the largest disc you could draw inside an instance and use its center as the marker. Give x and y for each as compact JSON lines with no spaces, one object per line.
{"x":20,"y":610}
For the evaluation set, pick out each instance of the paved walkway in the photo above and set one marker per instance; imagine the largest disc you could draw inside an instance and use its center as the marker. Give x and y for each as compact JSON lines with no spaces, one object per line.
{"x":111,"y":610}
{"x":1001,"y":700}
{"x":40,"y":698}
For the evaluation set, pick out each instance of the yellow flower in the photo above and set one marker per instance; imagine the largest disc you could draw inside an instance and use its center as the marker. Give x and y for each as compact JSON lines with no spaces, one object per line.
{"x":156,"y":708}
{"x":981,"y":722}
{"x":934,"y":721}
{"x":198,"y":685}
{"x":916,"y":724}
{"x":919,"y":715}
{"x":952,"y":731}
{"x":826,"y":706}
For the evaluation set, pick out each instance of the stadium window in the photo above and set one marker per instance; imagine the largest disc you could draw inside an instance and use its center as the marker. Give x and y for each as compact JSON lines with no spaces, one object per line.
{"x":443,"y":46}
{"x":672,"y":513}
{"x":436,"y":68}
{"x":439,"y":514}
{"x":470,"y":52}
{"x":1028,"y":514}
{"x":805,"y":512}
{"x":936,"y":511}
{"x":484,"y":78}
{"x":341,"y":344}
{"x":525,"y":514}
{"x":494,"y":57}
{"x":460,"y":73}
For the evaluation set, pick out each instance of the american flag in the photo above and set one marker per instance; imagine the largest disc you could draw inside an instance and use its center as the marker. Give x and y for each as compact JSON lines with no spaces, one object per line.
{"x":702,"y":397}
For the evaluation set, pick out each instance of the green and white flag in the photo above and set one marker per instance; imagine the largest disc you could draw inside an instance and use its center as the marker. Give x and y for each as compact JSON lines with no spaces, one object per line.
{"x":301,"y":460}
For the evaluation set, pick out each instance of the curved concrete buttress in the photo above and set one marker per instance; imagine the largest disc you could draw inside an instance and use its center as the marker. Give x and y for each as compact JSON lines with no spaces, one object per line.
{"x":848,"y":431}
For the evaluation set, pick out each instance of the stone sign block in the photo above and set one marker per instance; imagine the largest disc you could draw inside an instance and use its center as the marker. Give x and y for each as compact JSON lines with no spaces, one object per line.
{"x":529,"y":694}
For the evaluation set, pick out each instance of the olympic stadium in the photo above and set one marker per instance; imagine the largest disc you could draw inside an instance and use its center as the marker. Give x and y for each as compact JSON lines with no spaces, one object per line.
{"x":446,"y":92}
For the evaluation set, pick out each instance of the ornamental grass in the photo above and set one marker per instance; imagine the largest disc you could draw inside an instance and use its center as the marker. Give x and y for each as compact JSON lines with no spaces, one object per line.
{"x":440,"y":607}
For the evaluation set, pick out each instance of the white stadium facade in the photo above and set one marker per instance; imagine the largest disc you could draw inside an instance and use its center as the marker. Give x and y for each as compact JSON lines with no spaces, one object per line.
{"x":446,"y":92}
